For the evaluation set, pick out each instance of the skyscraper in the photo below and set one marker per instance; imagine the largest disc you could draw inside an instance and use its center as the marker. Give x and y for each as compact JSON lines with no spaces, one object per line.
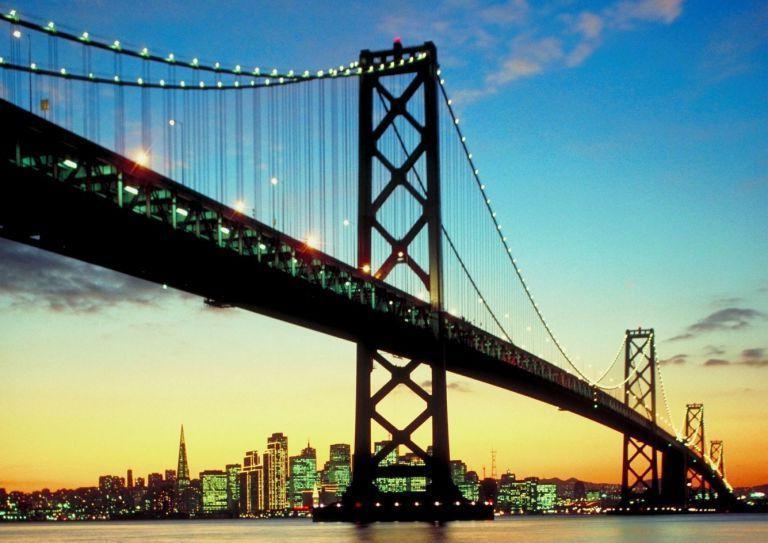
{"x":303,"y":478}
{"x":233,"y":488}
{"x":155,"y":480}
{"x":546,"y":498}
{"x":213,"y":484}
{"x":389,"y":484}
{"x":129,"y":479}
{"x":276,"y":473}
{"x":340,"y":466}
{"x":413,"y":484}
{"x":251,"y":485}
{"x":464,"y":480}
{"x":182,"y":471}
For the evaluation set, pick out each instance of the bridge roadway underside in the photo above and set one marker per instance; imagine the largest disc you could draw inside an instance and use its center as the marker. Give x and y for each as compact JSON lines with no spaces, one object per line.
{"x":39,"y":211}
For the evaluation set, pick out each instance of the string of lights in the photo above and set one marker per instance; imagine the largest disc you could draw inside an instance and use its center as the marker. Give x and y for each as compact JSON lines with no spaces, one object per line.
{"x":668,"y":411}
{"x":141,"y":82}
{"x":118,"y":47}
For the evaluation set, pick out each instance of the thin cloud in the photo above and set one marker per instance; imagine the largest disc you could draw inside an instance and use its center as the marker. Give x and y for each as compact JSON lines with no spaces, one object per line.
{"x":731,"y":318}
{"x":753,"y":358}
{"x":505,"y":13}
{"x":752,"y":354}
{"x":724,"y":301}
{"x":545,"y":39}
{"x":736,"y":47}
{"x":31,"y":277}
{"x":714,"y":350}
{"x":627,"y":13}
{"x":458,"y":386}
{"x":676,"y":360}
{"x":529,"y":56}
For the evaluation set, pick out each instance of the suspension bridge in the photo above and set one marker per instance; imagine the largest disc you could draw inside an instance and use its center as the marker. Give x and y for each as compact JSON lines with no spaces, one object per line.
{"x":345,"y":200}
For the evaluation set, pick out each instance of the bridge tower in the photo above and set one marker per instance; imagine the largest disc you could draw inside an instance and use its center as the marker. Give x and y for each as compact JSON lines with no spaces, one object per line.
{"x":717,"y":455}
{"x":694,"y":437}
{"x":640,"y":478}
{"x":419,"y":95}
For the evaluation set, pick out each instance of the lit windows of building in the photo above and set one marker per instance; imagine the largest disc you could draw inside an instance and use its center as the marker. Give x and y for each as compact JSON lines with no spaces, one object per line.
{"x":338,"y":469}
{"x":507,"y":498}
{"x":233,"y":488}
{"x":413,"y":484}
{"x":389,"y":484}
{"x":213,"y":485}
{"x":252,"y":485}
{"x":458,"y":472}
{"x":303,"y":478}
{"x":276,"y":473}
{"x":546,"y":498}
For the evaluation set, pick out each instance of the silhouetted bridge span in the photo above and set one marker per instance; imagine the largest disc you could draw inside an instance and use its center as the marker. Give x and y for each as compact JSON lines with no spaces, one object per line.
{"x":65,"y":193}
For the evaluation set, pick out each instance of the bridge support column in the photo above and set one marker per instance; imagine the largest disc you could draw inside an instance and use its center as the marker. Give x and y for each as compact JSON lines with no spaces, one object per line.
{"x":640,"y":480}
{"x":673,"y":479}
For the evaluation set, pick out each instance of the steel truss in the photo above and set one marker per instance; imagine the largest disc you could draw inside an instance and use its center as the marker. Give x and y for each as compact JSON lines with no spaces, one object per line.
{"x":696,"y":484}
{"x":717,"y":455}
{"x":640,"y":477}
{"x":422,"y":87}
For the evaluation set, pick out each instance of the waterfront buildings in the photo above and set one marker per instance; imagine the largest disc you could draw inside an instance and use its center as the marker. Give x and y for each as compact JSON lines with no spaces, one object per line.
{"x":276,"y":484}
{"x":252,"y":485}
{"x":276,"y":473}
{"x":389,"y":484}
{"x":466,"y":481}
{"x":525,"y":496}
{"x":338,"y":470}
{"x":302,"y":480}
{"x":213,"y":484}
{"x":233,"y":488}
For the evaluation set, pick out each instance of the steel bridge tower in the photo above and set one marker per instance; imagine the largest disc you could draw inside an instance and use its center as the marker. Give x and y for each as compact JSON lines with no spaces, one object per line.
{"x":717,"y":455}
{"x":368,"y":468}
{"x":364,"y":500}
{"x":694,"y":436}
{"x":640,"y":477}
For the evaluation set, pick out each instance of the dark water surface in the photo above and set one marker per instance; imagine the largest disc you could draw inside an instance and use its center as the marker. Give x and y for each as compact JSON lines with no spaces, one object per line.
{"x":598,"y":529}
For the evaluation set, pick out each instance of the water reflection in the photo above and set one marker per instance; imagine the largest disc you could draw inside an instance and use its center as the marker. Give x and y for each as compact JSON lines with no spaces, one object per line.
{"x":678,"y":529}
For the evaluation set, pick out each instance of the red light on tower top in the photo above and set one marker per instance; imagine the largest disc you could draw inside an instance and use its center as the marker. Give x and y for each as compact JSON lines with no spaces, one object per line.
{"x":397,"y":46}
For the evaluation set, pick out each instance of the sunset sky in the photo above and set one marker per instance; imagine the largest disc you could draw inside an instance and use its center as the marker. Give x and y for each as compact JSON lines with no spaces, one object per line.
{"x":629,"y":144}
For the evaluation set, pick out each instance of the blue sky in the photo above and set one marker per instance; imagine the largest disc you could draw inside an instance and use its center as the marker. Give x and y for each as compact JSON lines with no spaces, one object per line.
{"x":625,"y":144}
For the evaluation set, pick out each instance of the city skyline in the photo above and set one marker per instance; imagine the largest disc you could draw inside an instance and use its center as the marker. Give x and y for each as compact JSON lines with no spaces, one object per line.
{"x":134,"y":474}
{"x":259,"y":488}
{"x":110,"y":362}
{"x":322,"y":463}
{"x":253,"y":489}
